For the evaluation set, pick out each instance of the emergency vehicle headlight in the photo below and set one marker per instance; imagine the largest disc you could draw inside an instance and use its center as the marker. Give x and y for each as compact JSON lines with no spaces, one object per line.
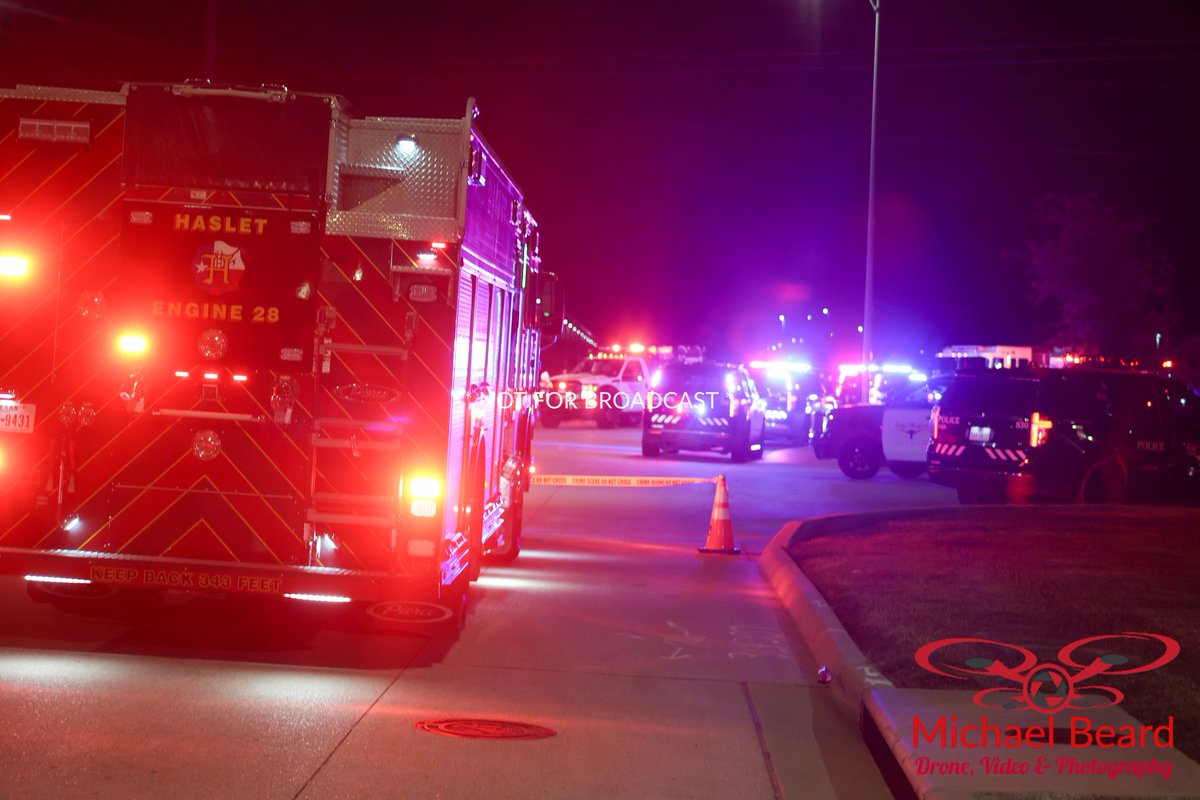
{"x":14,"y":266}
{"x":133,"y":343}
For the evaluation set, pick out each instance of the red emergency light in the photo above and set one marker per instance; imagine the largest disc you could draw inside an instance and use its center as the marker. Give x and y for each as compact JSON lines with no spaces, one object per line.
{"x":13,"y":266}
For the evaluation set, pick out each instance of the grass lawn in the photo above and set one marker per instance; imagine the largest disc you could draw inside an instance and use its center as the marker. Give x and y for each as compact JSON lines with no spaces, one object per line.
{"x":1038,"y":577}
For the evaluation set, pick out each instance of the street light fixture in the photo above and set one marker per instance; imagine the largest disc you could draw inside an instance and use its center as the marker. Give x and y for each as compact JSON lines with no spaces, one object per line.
{"x":868,"y":310}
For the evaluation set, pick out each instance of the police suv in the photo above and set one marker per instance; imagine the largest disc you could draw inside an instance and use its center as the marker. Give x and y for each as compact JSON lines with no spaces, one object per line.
{"x":865,"y":437}
{"x":1086,"y":435}
{"x":704,"y":406}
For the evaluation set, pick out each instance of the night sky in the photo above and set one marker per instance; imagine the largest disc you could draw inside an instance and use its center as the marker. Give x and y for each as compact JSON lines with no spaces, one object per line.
{"x":700,"y":168}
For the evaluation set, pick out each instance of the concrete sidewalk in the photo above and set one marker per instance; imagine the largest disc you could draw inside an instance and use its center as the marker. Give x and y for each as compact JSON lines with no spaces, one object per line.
{"x":935,"y":772}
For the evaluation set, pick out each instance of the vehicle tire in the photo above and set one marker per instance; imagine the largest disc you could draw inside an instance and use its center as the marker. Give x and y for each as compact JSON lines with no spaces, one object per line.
{"x":762,"y":446}
{"x":608,"y":415}
{"x":550,"y":418}
{"x":907,"y":469}
{"x":650,"y":450}
{"x":740,"y":453}
{"x":1103,"y":483}
{"x":859,"y":459}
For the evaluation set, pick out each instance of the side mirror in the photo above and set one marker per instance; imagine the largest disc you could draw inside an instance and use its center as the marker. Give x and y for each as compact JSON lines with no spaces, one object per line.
{"x":549,"y":308}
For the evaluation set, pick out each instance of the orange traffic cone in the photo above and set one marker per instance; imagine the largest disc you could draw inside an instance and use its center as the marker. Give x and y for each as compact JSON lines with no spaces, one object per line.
{"x":720,"y":527}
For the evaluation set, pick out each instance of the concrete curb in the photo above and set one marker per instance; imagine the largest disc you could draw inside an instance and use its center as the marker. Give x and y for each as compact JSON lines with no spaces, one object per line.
{"x":853,"y":675}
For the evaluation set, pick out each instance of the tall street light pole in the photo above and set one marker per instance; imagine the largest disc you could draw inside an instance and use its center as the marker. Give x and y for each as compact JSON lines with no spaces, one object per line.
{"x":868,"y":309}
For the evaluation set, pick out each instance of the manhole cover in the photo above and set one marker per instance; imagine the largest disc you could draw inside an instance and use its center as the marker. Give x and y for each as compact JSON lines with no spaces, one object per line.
{"x":485,"y":729}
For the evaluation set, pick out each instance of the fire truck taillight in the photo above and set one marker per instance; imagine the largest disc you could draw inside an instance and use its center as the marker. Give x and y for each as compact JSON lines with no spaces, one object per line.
{"x":13,"y":267}
{"x":134,"y":344}
{"x":1039,"y":429}
{"x":423,"y":494}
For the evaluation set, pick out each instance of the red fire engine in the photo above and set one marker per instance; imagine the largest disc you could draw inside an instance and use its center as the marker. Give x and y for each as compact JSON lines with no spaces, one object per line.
{"x":252,"y":341}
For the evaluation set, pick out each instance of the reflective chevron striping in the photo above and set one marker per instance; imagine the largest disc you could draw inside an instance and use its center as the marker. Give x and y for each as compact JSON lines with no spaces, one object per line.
{"x":999,"y":454}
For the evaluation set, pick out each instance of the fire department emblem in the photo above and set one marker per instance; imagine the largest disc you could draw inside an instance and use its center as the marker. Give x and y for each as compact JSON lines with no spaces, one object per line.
{"x":218,"y":268}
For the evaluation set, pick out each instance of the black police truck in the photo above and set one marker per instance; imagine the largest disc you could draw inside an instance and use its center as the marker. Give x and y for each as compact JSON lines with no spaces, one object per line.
{"x":1085,"y":435}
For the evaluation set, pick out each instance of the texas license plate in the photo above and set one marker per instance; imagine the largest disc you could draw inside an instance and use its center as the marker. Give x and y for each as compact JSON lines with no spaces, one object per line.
{"x":980,"y":433}
{"x":17,"y":417}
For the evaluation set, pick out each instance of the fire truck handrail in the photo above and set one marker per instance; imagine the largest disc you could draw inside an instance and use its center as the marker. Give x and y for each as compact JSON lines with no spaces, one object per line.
{"x":139,"y":487}
{"x":363,"y":424}
{"x":351,"y":347}
{"x":221,"y":415}
{"x":354,"y":444}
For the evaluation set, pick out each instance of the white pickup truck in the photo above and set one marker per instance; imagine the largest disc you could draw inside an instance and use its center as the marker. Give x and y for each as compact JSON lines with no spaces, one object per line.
{"x":607,"y":387}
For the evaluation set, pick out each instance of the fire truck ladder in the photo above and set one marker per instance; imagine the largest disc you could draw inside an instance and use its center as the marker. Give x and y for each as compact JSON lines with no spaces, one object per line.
{"x":360,"y":438}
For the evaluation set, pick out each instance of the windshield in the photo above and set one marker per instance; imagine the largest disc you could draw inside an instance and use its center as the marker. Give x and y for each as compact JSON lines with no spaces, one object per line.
{"x":608,"y":367}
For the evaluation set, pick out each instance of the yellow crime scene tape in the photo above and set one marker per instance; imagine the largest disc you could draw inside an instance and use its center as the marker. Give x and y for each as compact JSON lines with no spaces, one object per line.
{"x":613,"y":480}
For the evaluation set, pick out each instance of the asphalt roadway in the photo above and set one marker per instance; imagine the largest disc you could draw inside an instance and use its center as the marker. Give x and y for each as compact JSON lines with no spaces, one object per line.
{"x":660,"y":672}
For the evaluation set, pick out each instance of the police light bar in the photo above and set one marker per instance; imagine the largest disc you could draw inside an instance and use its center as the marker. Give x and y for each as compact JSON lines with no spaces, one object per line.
{"x":782,"y":366}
